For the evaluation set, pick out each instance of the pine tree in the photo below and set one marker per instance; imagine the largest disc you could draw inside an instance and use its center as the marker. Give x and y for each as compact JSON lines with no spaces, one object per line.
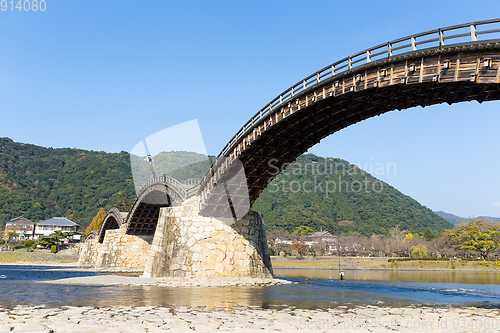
{"x":96,"y":221}
{"x":123,"y":204}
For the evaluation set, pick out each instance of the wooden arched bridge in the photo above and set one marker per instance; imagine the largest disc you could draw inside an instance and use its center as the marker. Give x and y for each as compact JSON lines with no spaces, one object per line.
{"x":142,"y":217}
{"x":446,"y":65}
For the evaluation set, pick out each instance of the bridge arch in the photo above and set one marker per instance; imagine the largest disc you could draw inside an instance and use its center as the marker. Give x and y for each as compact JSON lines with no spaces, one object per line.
{"x":112,"y":220}
{"x":392,"y":76}
{"x":160,"y":192}
{"x":92,"y":234}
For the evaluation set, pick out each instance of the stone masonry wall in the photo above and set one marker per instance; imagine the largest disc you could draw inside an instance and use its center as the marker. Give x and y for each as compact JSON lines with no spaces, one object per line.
{"x":88,"y":252}
{"x":117,"y":250}
{"x":187,"y":244}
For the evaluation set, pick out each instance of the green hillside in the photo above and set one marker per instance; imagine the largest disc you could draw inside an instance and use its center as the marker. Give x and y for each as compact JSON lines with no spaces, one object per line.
{"x":179,"y":164}
{"x":450,"y":217}
{"x":455,"y":220}
{"x":356,"y":201}
{"x":46,"y":182}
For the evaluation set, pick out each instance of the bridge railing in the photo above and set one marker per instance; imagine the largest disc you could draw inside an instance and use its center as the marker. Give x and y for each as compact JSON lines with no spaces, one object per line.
{"x":467,"y":33}
{"x":172,"y":182}
{"x":192,"y":186}
{"x":191,"y":182}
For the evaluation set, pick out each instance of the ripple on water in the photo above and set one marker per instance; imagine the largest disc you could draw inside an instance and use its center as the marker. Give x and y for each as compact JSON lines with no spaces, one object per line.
{"x":21,"y":286}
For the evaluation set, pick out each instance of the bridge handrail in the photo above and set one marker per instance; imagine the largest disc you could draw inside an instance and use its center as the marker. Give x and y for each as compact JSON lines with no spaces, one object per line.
{"x":192,"y":191}
{"x":174,"y":183}
{"x":191,"y":182}
{"x":385,"y":50}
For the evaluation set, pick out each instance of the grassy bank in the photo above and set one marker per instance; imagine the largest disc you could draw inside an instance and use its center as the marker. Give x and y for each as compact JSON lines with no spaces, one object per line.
{"x":383,"y":263}
{"x":453,"y":264}
{"x":330,"y":262}
{"x":22,"y":256}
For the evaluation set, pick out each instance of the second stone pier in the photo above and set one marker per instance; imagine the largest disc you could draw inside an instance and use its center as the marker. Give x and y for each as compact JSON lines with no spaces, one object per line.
{"x":187,"y":244}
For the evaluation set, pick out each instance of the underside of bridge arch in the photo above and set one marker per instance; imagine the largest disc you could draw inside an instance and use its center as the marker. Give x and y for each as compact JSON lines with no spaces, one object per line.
{"x":143,"y":216}
{"x":112,"y":220}
{"x":93,"y":234}
{"x":281,"y":132}
{"x":292,"y":136}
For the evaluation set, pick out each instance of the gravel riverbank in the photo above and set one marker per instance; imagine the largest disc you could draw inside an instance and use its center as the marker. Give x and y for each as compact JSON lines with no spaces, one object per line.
{"x":106,"y":280}
{"x":247,"y":319}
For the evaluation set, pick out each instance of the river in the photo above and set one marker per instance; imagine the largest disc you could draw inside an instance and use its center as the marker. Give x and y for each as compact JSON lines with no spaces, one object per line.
{"x":314,"y":289}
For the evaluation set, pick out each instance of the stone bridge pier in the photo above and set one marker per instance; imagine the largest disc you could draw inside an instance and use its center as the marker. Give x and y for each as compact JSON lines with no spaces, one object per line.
{"x":184,"y":244}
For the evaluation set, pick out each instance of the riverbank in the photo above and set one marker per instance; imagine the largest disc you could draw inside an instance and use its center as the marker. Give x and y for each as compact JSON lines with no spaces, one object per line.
{"x":332,"y":263}
{"x":170,"y":282}
{"x":70,"y":258}
{"x":248,"y":319}
{"x":23,"y":257}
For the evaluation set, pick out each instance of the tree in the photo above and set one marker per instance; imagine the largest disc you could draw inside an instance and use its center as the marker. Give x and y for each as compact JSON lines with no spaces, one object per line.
{"x":97,"y":221}
{"x":28,"y":244}
{"x":299,"y":246}
{"x":408,"y":237}
{"x":303,"y":231}
{"x":441,"y":247}
{"x":428,"y":234}
{"x":476,"y":235}
{"x":8,"y":236}
{"x":419,"y":251}
{"x":46,"y":242}
{"x":123,"y":204}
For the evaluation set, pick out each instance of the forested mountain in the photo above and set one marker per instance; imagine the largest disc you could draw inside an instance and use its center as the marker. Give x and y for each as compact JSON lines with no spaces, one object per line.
{"x":457,"y":219}
{"x":355,"y":202}
{"x":179,"y":164}
{"x":454,"y":219}
{"x":489,"y":218}
{"x":45,"y":182}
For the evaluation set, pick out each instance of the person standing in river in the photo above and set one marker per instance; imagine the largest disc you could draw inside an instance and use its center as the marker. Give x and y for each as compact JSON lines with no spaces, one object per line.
{"x":342,"y":274}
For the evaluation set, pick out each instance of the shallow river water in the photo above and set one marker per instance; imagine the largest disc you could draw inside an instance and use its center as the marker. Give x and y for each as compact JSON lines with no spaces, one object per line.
{"x":315,"y":289}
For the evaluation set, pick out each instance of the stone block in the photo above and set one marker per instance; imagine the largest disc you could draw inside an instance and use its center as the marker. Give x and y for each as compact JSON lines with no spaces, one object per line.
{"x":200,"y":245}
{"x":179,"y":273}
{"x":221,"y":247}
{"x":201,"y":273}
{"x":191,"y":242}
{"x":206,"y":234}
{"x":211,"y":261}
{"x":219,"y":269}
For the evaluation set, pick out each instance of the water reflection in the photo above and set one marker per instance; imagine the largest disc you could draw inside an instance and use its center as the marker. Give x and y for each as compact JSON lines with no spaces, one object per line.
{"x":226,"y":297}
{"x":314,"y":289}
{"x":25,"y":292}
{"x":468,"y":277}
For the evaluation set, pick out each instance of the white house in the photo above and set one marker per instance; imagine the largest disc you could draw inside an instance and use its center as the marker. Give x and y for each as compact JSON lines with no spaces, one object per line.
{"x":47,"y":227}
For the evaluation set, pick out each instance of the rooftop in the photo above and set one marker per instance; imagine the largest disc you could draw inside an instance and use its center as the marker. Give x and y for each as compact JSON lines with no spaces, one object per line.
{"x":20,"y":219}
{"x":321,"y":234}
{"x":59,"y":221}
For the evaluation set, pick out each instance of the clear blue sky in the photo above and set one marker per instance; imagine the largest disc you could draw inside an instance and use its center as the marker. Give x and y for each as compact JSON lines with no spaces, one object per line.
{"x":103,"y":75}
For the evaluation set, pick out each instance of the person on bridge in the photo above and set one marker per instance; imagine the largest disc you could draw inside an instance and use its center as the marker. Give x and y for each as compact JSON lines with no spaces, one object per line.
{"x":342,"y":275}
